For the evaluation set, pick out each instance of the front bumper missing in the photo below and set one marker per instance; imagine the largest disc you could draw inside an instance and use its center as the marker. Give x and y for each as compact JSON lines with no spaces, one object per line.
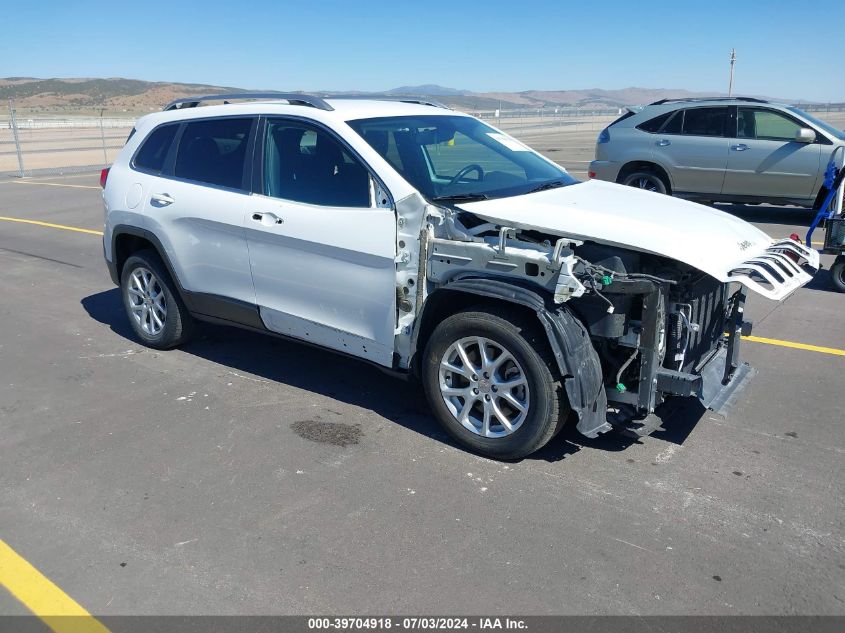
{"x":718,"y":382}
{"x":718,"y":395}
{"x":710,"y":386}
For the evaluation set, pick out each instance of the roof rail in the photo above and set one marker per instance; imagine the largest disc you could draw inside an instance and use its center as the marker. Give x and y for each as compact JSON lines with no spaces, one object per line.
{"x":398,"y":98}
{"x":294,"y":98}
{"x":696,"y":99}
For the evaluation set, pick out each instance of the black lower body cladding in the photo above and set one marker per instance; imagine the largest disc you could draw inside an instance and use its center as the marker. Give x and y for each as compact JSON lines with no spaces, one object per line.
{"x":574,"y":352}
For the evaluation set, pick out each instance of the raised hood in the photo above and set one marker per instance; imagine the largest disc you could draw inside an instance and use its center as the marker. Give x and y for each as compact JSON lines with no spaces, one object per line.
{"x":709,"y":240}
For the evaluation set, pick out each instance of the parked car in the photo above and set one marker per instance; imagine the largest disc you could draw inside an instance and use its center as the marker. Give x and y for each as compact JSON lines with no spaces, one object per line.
{"x":740,"y":150}
{"x":435,"y":247}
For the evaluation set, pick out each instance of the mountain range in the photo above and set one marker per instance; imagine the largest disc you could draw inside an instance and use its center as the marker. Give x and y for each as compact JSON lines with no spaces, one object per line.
{"x":86,"y":95}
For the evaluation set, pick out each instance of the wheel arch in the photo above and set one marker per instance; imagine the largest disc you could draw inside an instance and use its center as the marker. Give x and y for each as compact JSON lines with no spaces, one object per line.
{"x":646,"y":165}
{"x":576,"y":357}
{"x":127,"y":240}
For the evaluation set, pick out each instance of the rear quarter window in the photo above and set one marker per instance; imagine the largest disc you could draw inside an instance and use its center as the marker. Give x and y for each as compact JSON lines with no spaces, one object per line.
{"x":654,"y":125}
{"x":153,"y":151}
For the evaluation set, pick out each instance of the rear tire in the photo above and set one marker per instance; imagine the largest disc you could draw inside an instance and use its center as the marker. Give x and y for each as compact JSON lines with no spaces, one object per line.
{"x":505,"y":407}
{"x":646,"y":180}
{"x":837,"y":273}
{"x":156,"y":312}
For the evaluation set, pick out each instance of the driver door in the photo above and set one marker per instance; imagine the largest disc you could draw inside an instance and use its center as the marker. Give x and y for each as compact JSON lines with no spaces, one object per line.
{"x":321,"y":252}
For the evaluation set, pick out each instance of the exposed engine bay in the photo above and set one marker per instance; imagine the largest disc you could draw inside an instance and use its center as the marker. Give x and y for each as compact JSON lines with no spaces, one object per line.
{"x":654,"y":323}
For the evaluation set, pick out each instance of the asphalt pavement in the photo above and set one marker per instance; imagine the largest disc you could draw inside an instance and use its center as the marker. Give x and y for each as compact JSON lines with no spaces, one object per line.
{"x":247,"y":475}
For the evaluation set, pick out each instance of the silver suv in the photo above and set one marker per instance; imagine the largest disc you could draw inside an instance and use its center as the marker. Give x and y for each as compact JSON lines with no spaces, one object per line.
{"x":722,"y":150}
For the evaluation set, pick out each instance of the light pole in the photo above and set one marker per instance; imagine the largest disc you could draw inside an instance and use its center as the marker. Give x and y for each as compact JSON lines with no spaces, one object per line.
{"x":731,"y":82}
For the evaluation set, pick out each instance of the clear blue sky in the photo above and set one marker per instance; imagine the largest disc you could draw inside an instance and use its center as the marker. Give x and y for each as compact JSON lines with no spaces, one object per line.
{"x":784,"y":48}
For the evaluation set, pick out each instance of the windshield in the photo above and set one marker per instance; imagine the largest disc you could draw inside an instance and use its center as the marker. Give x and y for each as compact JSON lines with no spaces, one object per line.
{"x":458,"y":157}
{"x":827,"y":127}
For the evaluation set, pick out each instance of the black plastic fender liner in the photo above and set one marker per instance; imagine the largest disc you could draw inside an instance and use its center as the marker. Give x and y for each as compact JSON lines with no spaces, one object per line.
{"x":576,"y":357}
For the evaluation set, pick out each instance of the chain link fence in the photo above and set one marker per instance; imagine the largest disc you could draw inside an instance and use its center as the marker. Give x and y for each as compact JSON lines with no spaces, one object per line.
{"x":33,"y":145}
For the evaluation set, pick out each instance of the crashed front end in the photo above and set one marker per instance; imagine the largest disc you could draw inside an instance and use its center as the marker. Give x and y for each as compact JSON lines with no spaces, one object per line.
{"x":629,"y":329}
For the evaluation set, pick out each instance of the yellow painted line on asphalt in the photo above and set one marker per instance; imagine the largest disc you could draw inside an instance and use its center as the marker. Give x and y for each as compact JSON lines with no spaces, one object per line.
{"x":53,"y":184}
{"x":60,"y":612}
{"x":50,"y":225}
{"x":793,"y":345}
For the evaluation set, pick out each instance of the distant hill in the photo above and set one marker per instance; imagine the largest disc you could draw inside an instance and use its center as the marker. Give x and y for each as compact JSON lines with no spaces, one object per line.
{"x":132,"y":96}
{"x":427,"y":90}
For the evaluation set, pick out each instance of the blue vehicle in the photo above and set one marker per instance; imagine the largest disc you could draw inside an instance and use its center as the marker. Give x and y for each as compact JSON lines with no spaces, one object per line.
{"x":832,"y":216}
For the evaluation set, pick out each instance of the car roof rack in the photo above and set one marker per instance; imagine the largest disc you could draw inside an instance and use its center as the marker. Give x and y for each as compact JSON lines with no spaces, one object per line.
{"x":395,"y":98}
{"x":695,"y":99}
{"x":293,"y":98}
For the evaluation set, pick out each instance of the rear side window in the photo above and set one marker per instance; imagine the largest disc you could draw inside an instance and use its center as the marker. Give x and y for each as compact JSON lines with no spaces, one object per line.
{"x":154,"y":150}
{"x":654,"y":125}
{"x":213,"y":151}
{"x":675,"y":123}
{"x":705,"y":121}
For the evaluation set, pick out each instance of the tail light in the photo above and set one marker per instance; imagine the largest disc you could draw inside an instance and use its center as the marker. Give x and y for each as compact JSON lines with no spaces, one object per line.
{"x":104,"y":175}
{"x":591,"y":174}
{"x":604,"y":137}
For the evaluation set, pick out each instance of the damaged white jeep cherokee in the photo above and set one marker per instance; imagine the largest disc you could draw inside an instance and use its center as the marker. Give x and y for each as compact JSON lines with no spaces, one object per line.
{"x":433,"y":245}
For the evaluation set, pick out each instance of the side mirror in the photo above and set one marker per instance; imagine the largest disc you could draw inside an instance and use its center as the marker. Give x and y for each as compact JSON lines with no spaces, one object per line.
{"x":805,"y":135}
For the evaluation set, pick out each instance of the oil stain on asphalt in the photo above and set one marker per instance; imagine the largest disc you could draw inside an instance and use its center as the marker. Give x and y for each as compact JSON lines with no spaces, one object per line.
{"x":336,"y":433}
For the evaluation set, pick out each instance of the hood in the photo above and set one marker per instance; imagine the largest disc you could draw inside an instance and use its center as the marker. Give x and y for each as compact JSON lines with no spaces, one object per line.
{"x":711,"y":241}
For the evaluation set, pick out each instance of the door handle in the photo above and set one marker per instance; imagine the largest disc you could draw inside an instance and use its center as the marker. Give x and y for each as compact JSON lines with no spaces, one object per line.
{"x":739,"y":148}
{"x":663,"y":142}
{"x":271,"y":218}
{"x":163,"y":199}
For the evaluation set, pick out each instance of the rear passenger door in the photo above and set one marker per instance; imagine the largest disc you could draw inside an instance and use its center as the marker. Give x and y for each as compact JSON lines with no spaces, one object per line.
{"x":322,"y":252}
{"x":693,"y":148}
{"x":766,"y":160}
{"x":196,"y":207}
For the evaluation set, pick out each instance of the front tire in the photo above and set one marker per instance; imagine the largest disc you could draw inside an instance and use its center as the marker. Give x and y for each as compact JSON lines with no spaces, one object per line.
{"x":646,"y":180}
{"x":492,"y":382}
{"x":156,"y":312}
{"x":837,"y":273}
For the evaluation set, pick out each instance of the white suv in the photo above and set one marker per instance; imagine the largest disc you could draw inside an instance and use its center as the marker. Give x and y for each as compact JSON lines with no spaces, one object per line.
{"x":434,"y":246}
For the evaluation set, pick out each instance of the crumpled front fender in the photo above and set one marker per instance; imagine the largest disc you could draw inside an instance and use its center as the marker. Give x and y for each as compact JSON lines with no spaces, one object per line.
{"x":576,"y":357}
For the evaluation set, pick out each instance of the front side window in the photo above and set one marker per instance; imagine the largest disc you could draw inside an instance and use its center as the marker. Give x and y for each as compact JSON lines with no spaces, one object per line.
{"x":153,"y":151}
{"x":765,"y":125}
{"x":705,"y":121}
{"x":306,"y":164}
{"x":213,"y":151}
{"x":446,"y":156}
{"x":822,"y":125}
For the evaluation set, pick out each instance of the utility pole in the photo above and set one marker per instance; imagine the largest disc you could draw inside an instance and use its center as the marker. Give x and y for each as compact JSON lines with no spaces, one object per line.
{"x":731,"y":82}
{"x":14,"y":124}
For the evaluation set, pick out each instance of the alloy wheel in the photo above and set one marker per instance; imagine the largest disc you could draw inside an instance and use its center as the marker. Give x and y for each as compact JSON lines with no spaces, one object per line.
{"x":147,"y":302}
{"x":484,"y":387}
